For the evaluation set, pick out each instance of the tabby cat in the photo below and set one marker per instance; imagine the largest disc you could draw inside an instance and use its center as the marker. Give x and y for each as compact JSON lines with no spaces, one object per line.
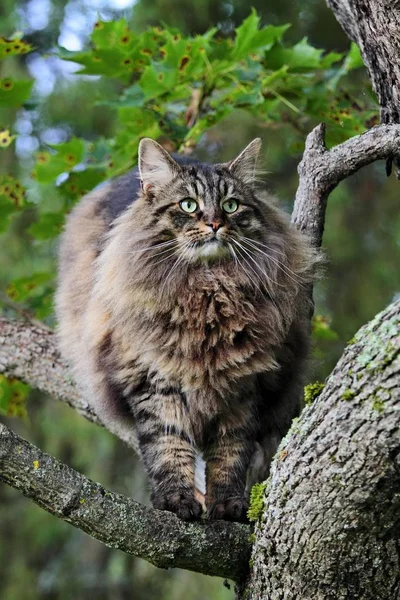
{"x":184,"y":313}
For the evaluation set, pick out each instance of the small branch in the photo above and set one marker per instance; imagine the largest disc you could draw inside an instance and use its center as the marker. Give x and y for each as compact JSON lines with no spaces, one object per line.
{"x":212,"y":548}
{"x":321,"y":170}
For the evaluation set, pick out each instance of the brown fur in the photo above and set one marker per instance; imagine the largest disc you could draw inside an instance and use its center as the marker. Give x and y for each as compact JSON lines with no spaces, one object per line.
{"x":195,"y":345}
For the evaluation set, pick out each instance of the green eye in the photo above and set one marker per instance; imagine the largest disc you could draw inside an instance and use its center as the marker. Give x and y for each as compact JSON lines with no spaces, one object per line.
{"x":230,"y":206}
{"x":188,"y":205}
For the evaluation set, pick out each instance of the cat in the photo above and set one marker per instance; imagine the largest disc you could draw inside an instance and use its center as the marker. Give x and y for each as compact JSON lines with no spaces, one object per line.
{"x":183,"y":309}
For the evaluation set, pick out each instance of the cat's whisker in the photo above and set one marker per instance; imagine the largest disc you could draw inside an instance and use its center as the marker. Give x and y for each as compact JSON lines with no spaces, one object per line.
{"x":232,"y":251}
{"x":283,"y":268}
{"x":262,"y":244}
{"x":260,"y":271}
{"x":257,"y":285}
{"x":155,"y":247}
{"x":181,"y":250}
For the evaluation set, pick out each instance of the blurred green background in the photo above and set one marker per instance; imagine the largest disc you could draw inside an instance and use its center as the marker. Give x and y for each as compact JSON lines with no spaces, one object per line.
{"x":41,"y":557}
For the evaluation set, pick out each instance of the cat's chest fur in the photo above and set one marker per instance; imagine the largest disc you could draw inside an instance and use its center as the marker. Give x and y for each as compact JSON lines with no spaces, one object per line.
{"x":210,"y":334}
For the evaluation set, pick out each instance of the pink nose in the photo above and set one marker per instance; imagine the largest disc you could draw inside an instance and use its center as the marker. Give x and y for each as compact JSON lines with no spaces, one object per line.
{"x":214,"y":226}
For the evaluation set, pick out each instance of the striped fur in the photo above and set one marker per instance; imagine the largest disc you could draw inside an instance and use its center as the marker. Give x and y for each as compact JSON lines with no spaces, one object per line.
{"x":188,"y":332}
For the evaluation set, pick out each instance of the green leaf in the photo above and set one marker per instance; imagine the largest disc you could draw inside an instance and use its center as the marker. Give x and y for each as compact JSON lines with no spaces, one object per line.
{"x":301,"y":56}
{"x":156,"y":80}
{"x":21,"y":289}
{"x":48,"y":226}
{"x":12,"y":199}
{"x":250,"y":38}
{"x":353,"y":59}
{"x":80,"y":183}
{"x":14,"y":92}
{"x":13,"y":47}
{"x":50,"y":166}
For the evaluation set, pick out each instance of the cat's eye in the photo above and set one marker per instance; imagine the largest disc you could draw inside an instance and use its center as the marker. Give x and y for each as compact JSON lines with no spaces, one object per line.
{"x":230,"y":206}
{"x":188,"y":205}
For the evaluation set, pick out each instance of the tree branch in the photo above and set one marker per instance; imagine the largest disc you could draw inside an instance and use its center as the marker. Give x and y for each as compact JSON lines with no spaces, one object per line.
{"x":330,"y":526}
{"x":210,"y":547}
{"x":321,"y":170}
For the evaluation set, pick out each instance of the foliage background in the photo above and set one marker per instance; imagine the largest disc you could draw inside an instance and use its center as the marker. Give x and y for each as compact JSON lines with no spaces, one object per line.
{"x":98,"y":121}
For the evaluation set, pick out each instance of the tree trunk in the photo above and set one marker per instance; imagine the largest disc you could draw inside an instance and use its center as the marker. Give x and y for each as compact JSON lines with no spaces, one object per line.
{"x":375,"y":27}
{"x":330,"y":526}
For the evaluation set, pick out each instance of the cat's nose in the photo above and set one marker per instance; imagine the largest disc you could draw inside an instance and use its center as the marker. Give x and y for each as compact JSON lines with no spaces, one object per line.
{"x":214,"y":226}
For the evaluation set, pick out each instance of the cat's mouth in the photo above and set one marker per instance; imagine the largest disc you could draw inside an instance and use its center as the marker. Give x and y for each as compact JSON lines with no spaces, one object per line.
{"x":210,"y":248}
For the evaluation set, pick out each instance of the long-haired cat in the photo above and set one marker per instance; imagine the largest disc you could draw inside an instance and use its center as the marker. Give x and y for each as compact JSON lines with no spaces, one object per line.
{"x":183,"y":310}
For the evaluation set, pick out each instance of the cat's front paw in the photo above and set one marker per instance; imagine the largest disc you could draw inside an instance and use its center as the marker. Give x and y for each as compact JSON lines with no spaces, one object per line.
{"x":229,"y":509}
{"x":183,"y":504}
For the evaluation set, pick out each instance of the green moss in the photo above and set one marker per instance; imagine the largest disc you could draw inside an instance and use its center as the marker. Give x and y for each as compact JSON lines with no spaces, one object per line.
{"x":252,"y":538}
{"x":256,"y":501}
{"x":347,"y":395}
{"x":378,"y":405}
{"x":352,"y":341}
{"x":311,"y":391}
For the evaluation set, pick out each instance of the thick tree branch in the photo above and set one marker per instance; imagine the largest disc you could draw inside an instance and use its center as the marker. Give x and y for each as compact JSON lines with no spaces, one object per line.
{"x":330,"y":527}
{"x":212,"y":548}
{"x":321,"y":170}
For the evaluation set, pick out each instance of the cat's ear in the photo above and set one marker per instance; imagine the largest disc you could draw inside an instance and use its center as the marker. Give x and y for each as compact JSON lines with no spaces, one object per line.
{"x":156,"y":166}
{"x":244,"y":166}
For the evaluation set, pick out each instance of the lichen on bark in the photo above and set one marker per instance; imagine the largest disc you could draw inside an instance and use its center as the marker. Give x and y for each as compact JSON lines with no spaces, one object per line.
{"x":331,"y":520}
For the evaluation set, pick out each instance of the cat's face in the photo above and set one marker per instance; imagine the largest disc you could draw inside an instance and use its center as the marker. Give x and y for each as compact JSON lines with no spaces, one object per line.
{"x":204,"y":210}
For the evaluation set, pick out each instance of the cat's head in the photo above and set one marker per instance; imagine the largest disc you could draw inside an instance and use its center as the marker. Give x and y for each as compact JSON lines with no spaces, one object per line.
{"x":204,"y":210}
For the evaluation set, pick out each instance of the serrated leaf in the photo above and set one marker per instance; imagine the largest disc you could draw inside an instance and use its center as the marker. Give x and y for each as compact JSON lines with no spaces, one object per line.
{"x":301,"y":56}
{"x":14,"y":92}
{"x":250,"y":38}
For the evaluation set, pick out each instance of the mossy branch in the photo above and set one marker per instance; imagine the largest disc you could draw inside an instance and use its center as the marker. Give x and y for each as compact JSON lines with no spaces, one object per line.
{"x":213,"y":548}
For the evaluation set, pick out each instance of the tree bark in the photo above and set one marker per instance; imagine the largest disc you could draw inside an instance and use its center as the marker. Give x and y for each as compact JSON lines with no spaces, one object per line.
{"x":330,"y":526}
{"x":212,"y":548}
{"x":375,"y":27}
